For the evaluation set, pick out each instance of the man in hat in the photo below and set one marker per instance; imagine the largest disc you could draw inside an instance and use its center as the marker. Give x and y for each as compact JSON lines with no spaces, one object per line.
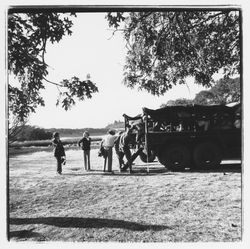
{"x":108,"y":144}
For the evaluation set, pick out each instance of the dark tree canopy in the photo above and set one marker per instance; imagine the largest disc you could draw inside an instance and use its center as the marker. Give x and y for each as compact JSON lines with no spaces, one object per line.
{"x":224,"y":91}
{"x":166,"y":47}
{"x":28,"y":35}
{"x":205,"y":97}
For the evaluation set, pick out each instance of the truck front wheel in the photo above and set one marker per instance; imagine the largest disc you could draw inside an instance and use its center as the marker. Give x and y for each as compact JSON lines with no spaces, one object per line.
{"x":175,"y":157}
{"x":207,"y":155}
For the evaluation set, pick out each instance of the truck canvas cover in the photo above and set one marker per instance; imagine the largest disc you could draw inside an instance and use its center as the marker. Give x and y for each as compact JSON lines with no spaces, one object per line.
{"x":132,"y":118}
{"x":176,"y":113}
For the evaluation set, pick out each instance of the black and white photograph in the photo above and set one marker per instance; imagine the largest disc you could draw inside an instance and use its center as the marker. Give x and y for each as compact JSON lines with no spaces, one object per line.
{"x":124,"y":123}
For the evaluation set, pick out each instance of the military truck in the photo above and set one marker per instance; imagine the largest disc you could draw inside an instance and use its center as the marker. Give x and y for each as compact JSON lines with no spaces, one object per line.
{"x":194,"y":136}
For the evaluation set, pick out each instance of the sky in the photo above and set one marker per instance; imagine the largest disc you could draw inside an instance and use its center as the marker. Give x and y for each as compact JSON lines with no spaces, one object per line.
{"x":92,"y":49}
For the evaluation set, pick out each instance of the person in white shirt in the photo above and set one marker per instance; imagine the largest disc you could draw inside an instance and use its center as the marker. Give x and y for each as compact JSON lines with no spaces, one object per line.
{"x":108,"y":144}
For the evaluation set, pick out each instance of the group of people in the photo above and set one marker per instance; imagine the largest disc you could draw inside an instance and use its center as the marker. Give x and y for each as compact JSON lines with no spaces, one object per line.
{"x":119,"y":142}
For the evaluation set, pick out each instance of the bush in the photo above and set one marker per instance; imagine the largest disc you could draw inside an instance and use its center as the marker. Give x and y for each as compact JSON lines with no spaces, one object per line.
{"x":33,"y":133}
{"x":39,"y":134}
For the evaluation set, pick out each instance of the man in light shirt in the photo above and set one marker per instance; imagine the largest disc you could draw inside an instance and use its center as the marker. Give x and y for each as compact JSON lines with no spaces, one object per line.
{"x":108,"y":144}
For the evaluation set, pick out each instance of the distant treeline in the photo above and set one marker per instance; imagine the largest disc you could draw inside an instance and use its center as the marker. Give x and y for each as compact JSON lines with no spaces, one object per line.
{"x":47,"y":143}
{"x":33,"y":133}
{"x":116,"y":125}
{"x":66,"y":132}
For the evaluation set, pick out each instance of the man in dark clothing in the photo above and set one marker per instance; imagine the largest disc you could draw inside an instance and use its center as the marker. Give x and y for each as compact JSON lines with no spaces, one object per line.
{"x":119,"y":153}
{"x":59,"y":152}
{"x":124,"y":148}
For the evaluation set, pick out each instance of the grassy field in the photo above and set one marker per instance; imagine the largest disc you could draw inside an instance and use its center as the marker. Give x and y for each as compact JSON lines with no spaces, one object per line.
{"x":159,"y":206}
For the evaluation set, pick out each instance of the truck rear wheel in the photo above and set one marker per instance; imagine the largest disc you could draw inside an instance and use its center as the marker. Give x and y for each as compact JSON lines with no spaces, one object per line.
{"x":175,"y":157}
{"x":151,"y":156}
{"x":207,"y":155}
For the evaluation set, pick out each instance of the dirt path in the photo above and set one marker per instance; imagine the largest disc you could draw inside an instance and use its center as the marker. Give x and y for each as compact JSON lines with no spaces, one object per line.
{"x":93,"y":206}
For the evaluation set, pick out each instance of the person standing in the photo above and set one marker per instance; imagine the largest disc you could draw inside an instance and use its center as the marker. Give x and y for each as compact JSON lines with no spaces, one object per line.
{"x":59,"y":152}
{"x":85,"y":144}
{"x":108,"y":144}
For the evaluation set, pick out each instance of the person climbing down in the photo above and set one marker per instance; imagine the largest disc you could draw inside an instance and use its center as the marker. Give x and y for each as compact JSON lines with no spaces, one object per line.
{"x":118,"y":152}
{"x":124,"y":149}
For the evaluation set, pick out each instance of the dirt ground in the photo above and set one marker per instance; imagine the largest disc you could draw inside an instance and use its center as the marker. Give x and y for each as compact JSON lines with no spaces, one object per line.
{"x":159,"y":206}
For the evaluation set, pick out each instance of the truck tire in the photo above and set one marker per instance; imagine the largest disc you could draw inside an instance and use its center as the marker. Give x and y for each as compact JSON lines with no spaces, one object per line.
{"x":151,"y":158}
{"x":175,"y":157}
{"x":207,"y":155}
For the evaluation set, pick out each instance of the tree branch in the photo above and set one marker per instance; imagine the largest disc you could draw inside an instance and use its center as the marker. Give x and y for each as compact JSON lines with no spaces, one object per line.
{"x":208,"y":18}
{"x":188,"y":40}
{"x":53,"y":82}
{"x":114,"y":31}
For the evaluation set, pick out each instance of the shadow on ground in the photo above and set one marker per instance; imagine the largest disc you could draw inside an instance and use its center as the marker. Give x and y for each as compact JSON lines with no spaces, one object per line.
{"x":25,"y":234}
{"x":143,"y":170}
{"x":75,"y":222}
{"x":223,"y":168}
